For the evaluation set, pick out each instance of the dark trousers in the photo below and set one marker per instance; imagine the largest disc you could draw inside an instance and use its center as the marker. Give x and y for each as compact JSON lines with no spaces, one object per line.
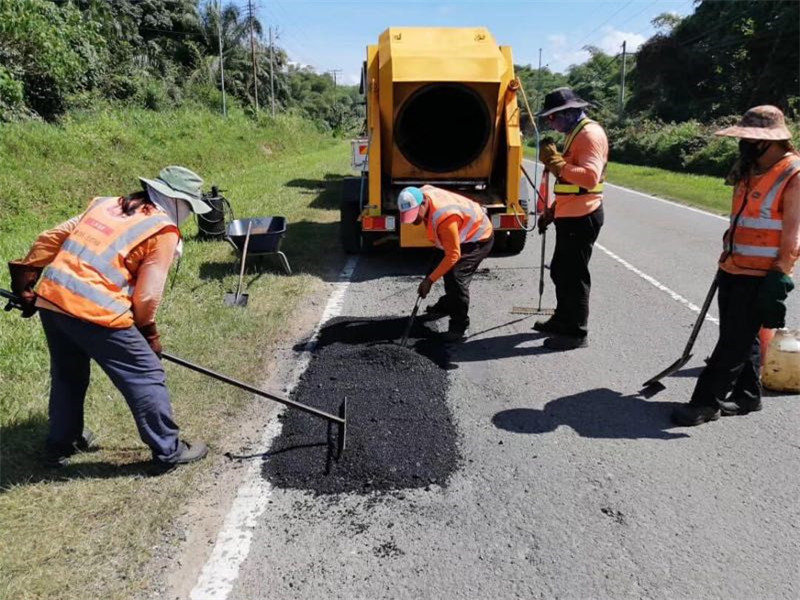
{"x":569,"y":269}
{"x":128,"y":361}
{"x":734,"y":366}
{"x":457,"y":280}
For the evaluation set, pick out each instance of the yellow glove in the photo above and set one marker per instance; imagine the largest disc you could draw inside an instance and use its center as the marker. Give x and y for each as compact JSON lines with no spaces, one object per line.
{"x":552,"y":159}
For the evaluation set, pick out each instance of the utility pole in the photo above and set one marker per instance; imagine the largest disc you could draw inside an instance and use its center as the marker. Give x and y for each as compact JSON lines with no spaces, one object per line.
{"x":538,"y":81}
{"x":251,"y":17}
{"x":622,"y":83}
{"x":272,"y":70}
{"x":221,"y":59}
{"x":334,"y":72}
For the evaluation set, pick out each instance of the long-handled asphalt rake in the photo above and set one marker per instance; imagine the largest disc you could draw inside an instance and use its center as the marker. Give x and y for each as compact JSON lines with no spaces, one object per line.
{"x":413,"y":316}
{"x":687,"y":351}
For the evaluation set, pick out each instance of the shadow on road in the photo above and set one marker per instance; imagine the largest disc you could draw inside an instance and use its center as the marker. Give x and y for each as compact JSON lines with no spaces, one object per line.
{"x":598,"y":413}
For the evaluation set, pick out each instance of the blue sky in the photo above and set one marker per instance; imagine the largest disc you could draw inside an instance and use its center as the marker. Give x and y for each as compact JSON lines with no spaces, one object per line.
{"x":333,"y":34}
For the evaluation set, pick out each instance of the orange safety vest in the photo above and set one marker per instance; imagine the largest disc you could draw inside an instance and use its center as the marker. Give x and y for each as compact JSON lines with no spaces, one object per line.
{"x":573,"y":200}
{"x":473,"y":226}
{"x":88,"y":278}
{"x":757,"y":217}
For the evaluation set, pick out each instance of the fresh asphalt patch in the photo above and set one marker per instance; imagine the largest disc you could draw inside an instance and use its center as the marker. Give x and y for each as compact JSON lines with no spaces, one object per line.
{"x":400,"y":430}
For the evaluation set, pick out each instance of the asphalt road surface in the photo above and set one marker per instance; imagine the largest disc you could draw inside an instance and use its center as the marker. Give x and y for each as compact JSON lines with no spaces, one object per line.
{"x":571,"y":484}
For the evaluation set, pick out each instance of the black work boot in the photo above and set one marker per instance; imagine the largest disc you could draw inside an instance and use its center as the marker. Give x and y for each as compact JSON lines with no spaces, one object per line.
{"x":187,"y":453}
{"x":437,"y":310}
{"x":740,"y":406}
{"x":690,"y":415}
{"x":455,"y":333}
{"x":552,"y":325}
{"x":566,"y":342}
{"x":57,"y":456}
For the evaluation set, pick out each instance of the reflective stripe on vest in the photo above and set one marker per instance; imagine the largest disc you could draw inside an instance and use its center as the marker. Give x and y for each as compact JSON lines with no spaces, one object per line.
{"x":89,"y":278}
{"x":568,"y":189}
{"x":757,"y":217}
{"x":474,"y":226}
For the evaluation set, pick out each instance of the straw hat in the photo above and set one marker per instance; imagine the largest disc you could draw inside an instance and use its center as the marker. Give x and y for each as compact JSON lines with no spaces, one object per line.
{"x":759,"y":123}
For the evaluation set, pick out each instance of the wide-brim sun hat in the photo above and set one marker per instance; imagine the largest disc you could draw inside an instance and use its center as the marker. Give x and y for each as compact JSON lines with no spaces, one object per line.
{"x":763,"y":122}
{"x":408,"y":202}
{"x":181,"y":183}
{"x":561,"y":99}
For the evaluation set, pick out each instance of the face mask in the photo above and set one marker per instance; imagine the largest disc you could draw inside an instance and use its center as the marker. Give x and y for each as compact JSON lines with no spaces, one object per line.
{"x":565,"y":121}
{"x":178,"y":210}
{"x":752,"y":151}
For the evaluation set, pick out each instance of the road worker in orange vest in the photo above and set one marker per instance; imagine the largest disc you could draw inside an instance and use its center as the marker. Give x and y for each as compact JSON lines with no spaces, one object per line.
{"x":463,"y":233}
{"x":760,"y":250}
{"x":101,"y":277}
{"x":578,"y":213}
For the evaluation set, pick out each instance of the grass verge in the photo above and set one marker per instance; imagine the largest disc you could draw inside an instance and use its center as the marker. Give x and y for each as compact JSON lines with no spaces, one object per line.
{"x":88,"y":531}
{"x":702,"y":191}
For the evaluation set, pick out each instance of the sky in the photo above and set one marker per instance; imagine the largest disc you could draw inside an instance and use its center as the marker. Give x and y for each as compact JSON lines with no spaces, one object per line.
{"x":332,"y":35}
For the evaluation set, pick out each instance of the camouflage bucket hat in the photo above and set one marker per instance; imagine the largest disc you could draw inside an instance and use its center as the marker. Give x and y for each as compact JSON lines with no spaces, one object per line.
{"x":759,"y":123}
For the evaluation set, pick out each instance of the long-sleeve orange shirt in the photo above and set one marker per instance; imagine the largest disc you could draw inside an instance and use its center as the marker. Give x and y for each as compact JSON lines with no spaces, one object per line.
{"x":149,"y":262}
{"x":586,"y":162}
{"x":449,"y":238}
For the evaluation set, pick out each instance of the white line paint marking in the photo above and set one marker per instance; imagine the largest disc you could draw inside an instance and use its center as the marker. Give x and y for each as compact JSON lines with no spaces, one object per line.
{"x":665,"y":201}
{"x":233,"y":541}
{"x":674,"y":295}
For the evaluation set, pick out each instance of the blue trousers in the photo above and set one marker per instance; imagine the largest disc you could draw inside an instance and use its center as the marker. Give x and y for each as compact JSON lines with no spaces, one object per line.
{"x":132,"y":366}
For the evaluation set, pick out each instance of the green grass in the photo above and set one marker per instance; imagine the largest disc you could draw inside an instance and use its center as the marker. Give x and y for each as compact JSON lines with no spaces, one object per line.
{"x":87,"y":532}
{"x":702,"y":191}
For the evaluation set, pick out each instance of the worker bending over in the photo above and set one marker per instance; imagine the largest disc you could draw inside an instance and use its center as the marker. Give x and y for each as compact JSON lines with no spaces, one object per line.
{"x":460,"y":228}
{"x":761,"y":248}
{"x":102,"y":279}
{"x":578,"y":213}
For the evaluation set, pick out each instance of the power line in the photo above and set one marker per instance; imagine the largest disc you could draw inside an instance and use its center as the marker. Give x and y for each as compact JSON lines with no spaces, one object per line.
{"x":614,"y":14}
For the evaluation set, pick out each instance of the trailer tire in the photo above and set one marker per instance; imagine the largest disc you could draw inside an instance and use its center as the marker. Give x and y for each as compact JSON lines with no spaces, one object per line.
{"x":349,"y":227}
{"x":515,"y":243}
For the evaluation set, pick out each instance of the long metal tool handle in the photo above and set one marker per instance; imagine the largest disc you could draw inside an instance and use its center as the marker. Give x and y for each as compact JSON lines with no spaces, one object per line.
{"x":702,"y":316}
{"x":253,"y":390}
{"x":541,"y":270}
{"x":244,"y":258}
{"x":13,"y":300}
{"x":413,"y":316}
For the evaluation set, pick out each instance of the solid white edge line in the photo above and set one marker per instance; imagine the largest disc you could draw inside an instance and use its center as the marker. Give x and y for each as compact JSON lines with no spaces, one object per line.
{"x":651,"y":280}
{"x":232,"y":546}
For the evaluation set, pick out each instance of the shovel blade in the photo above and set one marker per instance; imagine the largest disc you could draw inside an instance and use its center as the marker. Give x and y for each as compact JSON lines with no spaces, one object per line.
{"x":673,"y":368}
{"x":234,"y":300}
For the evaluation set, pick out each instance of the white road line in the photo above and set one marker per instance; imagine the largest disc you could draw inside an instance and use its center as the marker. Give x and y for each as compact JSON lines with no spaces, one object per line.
{"x":233,"y":541}
{"x":665,"y":201}
{"x":674,"y":295}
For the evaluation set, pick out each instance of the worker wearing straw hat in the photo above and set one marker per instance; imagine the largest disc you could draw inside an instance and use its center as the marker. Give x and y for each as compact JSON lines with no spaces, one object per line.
{"x":760,"y":250}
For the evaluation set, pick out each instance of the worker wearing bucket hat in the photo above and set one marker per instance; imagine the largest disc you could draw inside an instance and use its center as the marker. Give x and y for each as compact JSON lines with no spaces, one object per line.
{"x":760,"y":250}
{"x":578,"y":213}
{"x":463,"y":233}
{"x":101,"y":277}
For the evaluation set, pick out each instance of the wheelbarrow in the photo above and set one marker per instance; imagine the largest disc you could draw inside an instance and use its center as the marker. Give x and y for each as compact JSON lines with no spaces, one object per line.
{"x":266,"y":234}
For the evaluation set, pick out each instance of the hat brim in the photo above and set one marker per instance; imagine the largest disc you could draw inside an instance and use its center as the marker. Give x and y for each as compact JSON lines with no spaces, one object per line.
{"x":198,"y":206}
{"x":409,"y":216}
{"x":569,"y":104}
{"x":756,"y":133}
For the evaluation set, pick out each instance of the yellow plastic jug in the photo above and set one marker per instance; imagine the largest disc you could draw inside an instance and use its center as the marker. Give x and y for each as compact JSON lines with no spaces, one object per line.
{"x":781,"y":371}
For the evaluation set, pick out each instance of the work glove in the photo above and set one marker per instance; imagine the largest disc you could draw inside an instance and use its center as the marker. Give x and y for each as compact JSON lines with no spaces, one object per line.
{"x":23,"y":279}
{"x":551,"y":157}
{"x":153,"y":338}
{"x":424,"y":288}
{"x":545,"y":218}
{"x":770,"y":300}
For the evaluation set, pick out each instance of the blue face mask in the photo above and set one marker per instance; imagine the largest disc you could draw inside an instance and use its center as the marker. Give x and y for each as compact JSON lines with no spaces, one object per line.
{"x":566,"y":120}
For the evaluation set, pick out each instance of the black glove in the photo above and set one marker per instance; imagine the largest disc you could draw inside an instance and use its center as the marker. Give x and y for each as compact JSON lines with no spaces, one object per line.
{"x":771,"y":299}
{"x":545,"y":218}
{"x":424,"y":288}
{"x":23,"y":278}
{"x":153,"y":338}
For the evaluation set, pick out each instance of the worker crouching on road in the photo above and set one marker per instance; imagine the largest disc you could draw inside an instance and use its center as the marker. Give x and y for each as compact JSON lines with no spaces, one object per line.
{"x":761,"y":248}
{"x":102,"y":279}
{"x":460,"y":228}
{"x":577,"y":213}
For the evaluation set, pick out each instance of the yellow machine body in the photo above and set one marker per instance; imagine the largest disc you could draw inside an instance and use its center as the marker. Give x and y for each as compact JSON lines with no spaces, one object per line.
{"x":442,"y":110}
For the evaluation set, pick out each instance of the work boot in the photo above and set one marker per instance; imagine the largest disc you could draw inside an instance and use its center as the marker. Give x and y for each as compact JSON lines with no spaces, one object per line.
{"x":740,"y":406}
{"x":552,"y":325}
{"x":57,"y":456}
{"x":690,"y":415}
{"x":454,"y":334}
{"x":187,"y":453}
{"x":437,"y":310}
{"x":566,"y":342}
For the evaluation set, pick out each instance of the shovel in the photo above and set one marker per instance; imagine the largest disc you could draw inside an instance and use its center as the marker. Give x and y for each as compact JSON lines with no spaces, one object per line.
{"x":239,"y":299}
{"x":695,"y":330}
{"x":413,"y":316}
